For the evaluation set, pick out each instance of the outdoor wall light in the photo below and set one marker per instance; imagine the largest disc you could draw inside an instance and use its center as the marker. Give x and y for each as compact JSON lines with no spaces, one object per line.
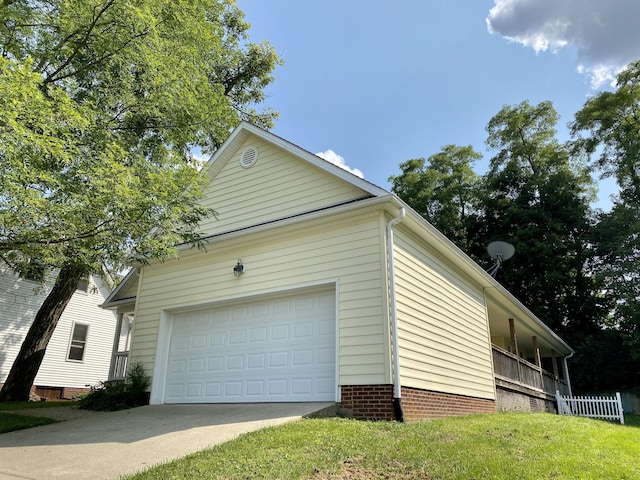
{"x":238,"y":269}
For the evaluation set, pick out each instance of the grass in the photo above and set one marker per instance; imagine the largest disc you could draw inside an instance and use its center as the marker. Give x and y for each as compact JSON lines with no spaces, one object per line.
{"x":10,"y":422}
{"x":7,"y":406}
{"x":497,"y":446}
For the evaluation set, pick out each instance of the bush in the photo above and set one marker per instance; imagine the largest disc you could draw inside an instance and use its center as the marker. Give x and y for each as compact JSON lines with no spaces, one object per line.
{"x":111,"y":396}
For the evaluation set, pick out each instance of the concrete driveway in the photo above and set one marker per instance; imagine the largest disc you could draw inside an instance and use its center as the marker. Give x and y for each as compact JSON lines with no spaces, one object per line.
{"x":107,"y":445}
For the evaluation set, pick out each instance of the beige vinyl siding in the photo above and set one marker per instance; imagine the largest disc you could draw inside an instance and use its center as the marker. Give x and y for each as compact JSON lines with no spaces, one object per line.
{"x":277,"y":186}
{"x":442,"y":324}
{"x":347,"y":251}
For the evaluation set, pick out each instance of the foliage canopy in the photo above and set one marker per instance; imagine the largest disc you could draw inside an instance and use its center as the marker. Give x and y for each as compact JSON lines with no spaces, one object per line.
{"x":104,"y":102}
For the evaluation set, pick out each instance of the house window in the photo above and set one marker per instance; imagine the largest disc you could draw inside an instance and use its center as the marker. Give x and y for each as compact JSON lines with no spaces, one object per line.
{"x":78,"y":342}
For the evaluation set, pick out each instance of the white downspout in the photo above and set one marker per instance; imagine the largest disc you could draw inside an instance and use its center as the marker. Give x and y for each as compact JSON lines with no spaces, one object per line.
{"x":397,"y":393}
{"x":566,"y":372}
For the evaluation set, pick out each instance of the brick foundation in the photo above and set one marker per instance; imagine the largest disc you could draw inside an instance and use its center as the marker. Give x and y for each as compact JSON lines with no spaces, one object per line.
{"x":367,"y":402}
{"x":423,"y":404}
{"x":68,"y":393}
{"x":375,"y":402}
{"x":56,"y":393}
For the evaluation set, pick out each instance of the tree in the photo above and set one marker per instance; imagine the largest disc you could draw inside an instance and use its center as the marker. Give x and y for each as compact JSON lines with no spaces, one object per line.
{"x":536,"y":197}
{"x":443,"y":190}
{"x":607,"y":130}
{"x":103,"y":102}
{"x":612,"y":120}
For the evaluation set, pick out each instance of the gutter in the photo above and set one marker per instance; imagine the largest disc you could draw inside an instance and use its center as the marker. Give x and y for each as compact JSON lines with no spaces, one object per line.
{"x":397,"y":390}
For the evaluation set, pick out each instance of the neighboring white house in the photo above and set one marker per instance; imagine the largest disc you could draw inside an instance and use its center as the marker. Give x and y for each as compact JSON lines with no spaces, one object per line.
{"x":316,"y":285}
{"x":80,"y":350}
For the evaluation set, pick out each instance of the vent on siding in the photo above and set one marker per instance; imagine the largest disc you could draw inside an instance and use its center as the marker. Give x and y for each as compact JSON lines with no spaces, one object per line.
{"x":249,"y":157}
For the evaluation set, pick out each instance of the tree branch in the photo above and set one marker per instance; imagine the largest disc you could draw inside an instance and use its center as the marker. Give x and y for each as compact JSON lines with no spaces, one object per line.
{"x":98,"y":229}
{"x":80,"y":45}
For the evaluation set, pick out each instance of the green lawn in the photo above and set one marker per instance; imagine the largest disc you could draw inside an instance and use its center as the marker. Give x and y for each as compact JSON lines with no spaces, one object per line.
{"x":12,"y":421}
{"x":498,"y":446}
{"x":7,"y":406}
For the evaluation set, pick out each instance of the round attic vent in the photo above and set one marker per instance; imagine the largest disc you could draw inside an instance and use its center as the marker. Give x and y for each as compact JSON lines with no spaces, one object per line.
{"x":249,"y":157}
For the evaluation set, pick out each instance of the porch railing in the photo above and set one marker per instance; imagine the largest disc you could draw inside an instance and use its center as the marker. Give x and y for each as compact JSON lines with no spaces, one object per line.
{"x":120,"y":366}
{"x":515,"y":369}
{"x":606,"y":408}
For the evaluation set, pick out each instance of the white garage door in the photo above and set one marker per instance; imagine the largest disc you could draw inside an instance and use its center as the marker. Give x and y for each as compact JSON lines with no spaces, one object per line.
{"x":277,"y":349}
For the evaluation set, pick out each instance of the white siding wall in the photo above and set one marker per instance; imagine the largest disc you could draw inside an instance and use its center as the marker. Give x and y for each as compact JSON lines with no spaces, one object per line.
{"x":348,"y":250}
{"x":278,"y":185}
{"x":18,"y":306}
{"x":442,"y":324}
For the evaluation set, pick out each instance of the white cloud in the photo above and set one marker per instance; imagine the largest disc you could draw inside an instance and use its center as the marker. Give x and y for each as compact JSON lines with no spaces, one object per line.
{"x":333,"y":157}
{"x":604,"y":32}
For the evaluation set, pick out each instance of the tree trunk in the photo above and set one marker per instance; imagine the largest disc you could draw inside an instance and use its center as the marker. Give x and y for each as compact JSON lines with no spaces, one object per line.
{"x":27,"y":363}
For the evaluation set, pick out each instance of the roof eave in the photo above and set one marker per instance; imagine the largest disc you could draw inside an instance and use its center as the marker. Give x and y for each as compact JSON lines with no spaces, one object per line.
{"x":455,"y":255}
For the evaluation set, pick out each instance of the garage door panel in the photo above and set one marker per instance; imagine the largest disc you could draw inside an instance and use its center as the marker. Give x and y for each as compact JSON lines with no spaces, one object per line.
{"x":279,"y":349}
{"x":215,"y":364}
{"x":253,"y":390}
{"x":258,"y":335}
{"x":217,"y":339}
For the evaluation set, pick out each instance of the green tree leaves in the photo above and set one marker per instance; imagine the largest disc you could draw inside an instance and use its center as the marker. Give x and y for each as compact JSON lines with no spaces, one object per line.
{"x":443,"y":190}
{"x":102,"y":103}
{"x":104,"y":100}
{"x":537,"y":198}
{"x":608,"y":129}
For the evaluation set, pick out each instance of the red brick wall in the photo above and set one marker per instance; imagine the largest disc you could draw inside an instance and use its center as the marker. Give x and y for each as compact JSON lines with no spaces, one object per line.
{"x":422,"y":404}
{"x":375,"y":402}
{"x":368,"y":402}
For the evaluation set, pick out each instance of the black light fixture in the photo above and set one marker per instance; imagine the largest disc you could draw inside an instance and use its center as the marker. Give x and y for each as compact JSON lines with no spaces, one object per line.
{"x":238,"y":269}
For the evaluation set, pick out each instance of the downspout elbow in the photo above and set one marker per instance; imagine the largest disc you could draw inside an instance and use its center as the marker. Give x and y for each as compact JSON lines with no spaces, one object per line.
{"x":397,"y":391}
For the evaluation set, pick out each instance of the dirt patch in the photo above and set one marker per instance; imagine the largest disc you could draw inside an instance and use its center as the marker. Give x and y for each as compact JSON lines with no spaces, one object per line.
{"x":352,"y":470}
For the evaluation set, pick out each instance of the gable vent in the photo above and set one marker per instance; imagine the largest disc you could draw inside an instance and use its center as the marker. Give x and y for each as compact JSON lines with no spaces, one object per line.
{"x":249,"y":157}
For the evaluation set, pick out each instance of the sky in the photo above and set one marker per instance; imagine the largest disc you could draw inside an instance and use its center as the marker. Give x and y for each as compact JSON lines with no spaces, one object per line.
{"x":369,"y":84}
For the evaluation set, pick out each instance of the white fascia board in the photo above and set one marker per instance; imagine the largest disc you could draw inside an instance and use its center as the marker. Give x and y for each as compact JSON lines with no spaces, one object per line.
{"x":117,"y":303}
{"x":109,"y":303}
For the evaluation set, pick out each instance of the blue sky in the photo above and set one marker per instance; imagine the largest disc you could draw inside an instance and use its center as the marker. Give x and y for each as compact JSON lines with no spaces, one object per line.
{"x":380,"y":82}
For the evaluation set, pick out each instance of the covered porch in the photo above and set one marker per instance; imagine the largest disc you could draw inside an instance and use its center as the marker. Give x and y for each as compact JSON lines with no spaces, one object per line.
{"x":529,"y":359}
{"x":123,"y":301}
{"x":121,"y":346}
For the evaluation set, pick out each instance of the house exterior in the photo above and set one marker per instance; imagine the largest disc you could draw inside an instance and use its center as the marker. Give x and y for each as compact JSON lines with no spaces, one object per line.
{"x":316,"y":285}
{"x":80,"y":350}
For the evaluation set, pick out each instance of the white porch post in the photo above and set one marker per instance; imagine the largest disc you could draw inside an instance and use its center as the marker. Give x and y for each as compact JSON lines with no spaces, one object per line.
{"x":116,"y":345}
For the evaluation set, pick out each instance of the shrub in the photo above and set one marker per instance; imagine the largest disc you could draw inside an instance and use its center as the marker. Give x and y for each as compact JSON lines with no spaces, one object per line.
{"x":110,"y":396}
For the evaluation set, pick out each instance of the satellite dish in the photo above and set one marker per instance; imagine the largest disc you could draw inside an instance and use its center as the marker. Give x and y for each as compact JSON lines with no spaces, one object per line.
{"x":499,"y":251}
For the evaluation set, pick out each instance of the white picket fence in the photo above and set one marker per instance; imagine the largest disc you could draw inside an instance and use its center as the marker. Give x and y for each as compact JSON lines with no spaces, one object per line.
{"x":606,"y":408}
